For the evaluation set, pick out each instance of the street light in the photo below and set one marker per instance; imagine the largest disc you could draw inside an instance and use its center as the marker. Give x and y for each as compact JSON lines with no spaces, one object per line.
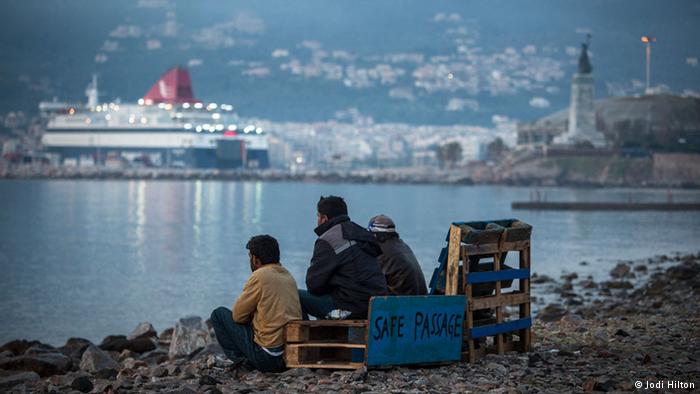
{"x":648,"y":40}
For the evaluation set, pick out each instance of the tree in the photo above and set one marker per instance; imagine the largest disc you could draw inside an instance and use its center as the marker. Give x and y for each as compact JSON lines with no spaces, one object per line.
{"x":495,"y":149}
{"x":449,"y":154}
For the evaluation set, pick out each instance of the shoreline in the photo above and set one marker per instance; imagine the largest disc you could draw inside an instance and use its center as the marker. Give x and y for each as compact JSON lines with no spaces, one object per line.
{"x":397,"y":176}
{"x":604,"y":336}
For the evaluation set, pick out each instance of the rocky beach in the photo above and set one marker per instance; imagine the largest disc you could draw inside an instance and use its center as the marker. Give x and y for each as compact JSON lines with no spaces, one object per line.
{"x":637,"y":331}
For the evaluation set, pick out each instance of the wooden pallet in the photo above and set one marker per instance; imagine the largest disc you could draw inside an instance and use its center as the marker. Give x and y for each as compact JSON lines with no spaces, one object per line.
{"x":460,"y":281}
{"x":332,"y":344}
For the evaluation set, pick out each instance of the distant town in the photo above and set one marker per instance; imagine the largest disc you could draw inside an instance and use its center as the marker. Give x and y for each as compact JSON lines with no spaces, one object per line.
{"x":650,"y":139}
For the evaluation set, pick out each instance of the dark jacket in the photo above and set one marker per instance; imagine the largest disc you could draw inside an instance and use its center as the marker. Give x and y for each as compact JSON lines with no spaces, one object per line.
{"x":345,"y":266}
{"x":401,"y":269}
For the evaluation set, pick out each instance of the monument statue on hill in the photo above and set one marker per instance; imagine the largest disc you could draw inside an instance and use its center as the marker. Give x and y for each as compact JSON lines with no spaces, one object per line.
{"x":584,"y":64}
{"x":582,"y":116}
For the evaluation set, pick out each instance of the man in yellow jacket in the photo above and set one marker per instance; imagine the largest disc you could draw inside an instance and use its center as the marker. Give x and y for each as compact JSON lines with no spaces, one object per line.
{"x":254,"y":331}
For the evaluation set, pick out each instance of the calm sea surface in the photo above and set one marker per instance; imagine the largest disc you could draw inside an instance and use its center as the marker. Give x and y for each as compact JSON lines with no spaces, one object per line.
{"x":92,"y":258}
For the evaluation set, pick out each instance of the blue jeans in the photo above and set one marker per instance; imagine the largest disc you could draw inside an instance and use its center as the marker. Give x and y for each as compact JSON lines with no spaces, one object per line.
{"x":237,"y":342}
{"x":316,"y":306}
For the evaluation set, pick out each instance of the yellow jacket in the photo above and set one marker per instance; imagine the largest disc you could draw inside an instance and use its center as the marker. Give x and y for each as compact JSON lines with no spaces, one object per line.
{"x":269,"y":299}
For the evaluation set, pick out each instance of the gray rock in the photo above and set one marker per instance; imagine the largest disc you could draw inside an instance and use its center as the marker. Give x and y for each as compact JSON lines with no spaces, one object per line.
{"x":552,"y":312}
{"x":18,"y":347}
{"x":297,"y":372}
{"x":75,"y":347}
{"x":167,"y":334}
{"x":190,"y":334}
{"x":95,"y":359}
{"x":539,"y":279}
{"x":107,"y":373}
{"x":143,"y":330}
{"x":621,"y":270}
{"x":40,"y":348}
{"x":82,"y":383}
{"x":102,"y":386}
{"x":182,"y":390}
{"x":617,"y":285}
{"x":12,"y":380}
{"x":45,"y":364}
{"x":155,"y":357}
{"x":159,"y":372}
{"x":119,"y":343}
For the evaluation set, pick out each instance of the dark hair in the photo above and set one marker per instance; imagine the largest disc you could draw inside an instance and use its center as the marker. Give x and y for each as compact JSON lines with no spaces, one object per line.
{"x":265,"y":248}
{"x":381,"y":237}
{"x":332,"y":206}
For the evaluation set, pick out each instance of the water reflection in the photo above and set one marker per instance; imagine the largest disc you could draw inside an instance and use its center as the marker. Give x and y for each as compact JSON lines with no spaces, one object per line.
{"x":159,"y":250}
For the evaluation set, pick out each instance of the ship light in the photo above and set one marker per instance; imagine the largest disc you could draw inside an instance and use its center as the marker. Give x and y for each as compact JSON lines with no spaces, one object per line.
{"x":232,"y":127}
{"x":132,"y":119}
{"x":198,"y":105}
{"x":198,"y":129}
{"x":140,"y":101}
{"x":258,"y":130}
{"x":219,"y":127}
{"x":188,"y":126}
{"x":216,"y":116}
{"x":88,"y":120}
{"x":144,"y":120}
{"x":108,"y":117}
{"x":179,"y":115}
{"x":168,"y":107}
{"x":211,"y":106}
{"x":71,"y":111}
{"x":116,"y":107}
{"x":185,"y":105}
{"x":227,"y":107}
{"x":249,"y":128}
{"x":206,"y":126}
{"x":149,"y":102}
{"x":161,"y":105}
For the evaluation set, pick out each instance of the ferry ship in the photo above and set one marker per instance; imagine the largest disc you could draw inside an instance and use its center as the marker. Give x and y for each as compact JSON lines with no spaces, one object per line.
{"x":168,"y":127}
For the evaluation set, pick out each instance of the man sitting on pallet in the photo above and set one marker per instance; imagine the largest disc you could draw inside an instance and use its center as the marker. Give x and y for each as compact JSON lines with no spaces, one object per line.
{"x":344,"y":271}
{"x":254,"y":331}
{"x":399,"y":265}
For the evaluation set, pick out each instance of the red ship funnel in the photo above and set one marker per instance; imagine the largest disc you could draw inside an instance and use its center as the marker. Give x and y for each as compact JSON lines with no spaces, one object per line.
{"x":173,"y":87}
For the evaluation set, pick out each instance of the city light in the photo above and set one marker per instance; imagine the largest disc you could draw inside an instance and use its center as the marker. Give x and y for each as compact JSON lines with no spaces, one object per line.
{"x":198,"y":105}
{"x":647,"y":40}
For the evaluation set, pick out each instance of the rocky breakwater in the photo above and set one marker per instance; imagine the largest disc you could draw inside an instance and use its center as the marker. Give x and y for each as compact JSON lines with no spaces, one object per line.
{"x":600,"y":337}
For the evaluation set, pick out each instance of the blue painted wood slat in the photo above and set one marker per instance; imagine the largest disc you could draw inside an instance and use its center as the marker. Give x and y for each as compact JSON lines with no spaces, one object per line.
{"x":493,"y":276}
{"x":494,"y":329}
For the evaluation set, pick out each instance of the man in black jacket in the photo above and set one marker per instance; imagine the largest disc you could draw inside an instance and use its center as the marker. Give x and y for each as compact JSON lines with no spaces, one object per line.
{"x":404,"y":275}
{"x":344,"y":271}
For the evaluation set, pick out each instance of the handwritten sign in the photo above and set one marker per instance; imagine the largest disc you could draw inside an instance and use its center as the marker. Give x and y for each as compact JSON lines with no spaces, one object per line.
{"x":414,"y":329}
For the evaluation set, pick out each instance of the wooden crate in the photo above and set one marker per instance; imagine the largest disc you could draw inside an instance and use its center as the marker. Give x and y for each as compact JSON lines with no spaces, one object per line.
{"x":459,"y":280}
{"x":333,"y":344}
